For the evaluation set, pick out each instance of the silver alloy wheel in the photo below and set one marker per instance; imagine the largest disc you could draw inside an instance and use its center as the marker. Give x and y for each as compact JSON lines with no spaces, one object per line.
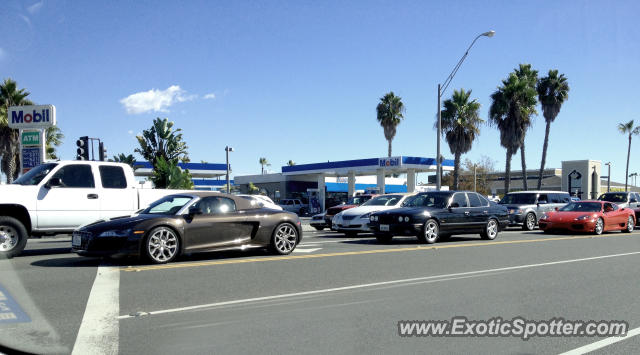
{"x":630,"y":224}
{"x":162,"y":245}
{"x":531,"y":221}
{"x":599,"y":226}
{"x":8,"y":238}
{"x":431,"y":231}
{"x":285,"y":238}
{"x":492,"y":229}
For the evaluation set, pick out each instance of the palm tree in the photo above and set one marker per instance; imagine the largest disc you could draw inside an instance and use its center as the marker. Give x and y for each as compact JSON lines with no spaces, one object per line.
{"x":161,"y":140}
{"x":10,"y":95}
{"x":514,"y":99}
{"x":390,"y":112}
{"x":263,"y":162}
{"x":291,"y":163}
{"x":127,"y":159}
{"x":54,"y":137}
{"x":460,"y":126}
{"x":628,"y":128}
{"x":553,"y":91}
{"x":524,"y":72}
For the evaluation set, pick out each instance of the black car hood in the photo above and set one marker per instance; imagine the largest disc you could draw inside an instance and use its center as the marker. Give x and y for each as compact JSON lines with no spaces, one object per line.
{"x":122,"y":222}
{"x":408,"y":210}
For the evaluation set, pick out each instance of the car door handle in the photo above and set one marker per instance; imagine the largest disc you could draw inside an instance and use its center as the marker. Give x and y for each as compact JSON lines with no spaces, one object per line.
{"x":485,"y":212}
{"x":466,"y":213}
{"x":92,"y":196}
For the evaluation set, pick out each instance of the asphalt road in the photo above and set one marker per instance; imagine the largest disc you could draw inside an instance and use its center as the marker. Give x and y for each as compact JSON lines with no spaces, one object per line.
{"x":333,"y":295}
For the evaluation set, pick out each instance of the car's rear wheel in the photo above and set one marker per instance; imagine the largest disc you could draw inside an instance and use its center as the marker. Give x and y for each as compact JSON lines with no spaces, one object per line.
{"x":430,"y":232}
{"x":490,"y":230}
{"x":599,"y":226}
{"x":162,"y":245}
{"x":630,"y":225}
{"x":13,"y":237}
{"x":284,"y":239}
{"x":384,"y":237}
{"x":529,"y":222}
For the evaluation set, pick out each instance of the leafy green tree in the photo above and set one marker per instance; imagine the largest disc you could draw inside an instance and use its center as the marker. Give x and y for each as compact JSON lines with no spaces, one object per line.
{"x":291,"y":163}
{"x":10,"y":95}
{"x":162,"y":141}
{"x":263,"y":162}
{"x":127,"y":159}
{"x":54,"y":137}
{"x":512,"y":101}
{"x":460,"y":126}
{"x":631,"y":130}
{"x":553,"y":91}
{"x":530,"y":76}
{"x":167,"y":175}
{"x":253,"y":189}
{"x":390,"y":112}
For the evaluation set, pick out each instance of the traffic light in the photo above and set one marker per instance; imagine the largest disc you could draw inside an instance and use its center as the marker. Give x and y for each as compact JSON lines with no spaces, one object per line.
{"x":102,"y":153}
{"x":83,"y":148}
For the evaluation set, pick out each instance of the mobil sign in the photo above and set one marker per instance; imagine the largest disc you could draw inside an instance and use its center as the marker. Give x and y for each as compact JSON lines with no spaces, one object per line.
{"x":38,"y":116}
{"x":389,"y":162}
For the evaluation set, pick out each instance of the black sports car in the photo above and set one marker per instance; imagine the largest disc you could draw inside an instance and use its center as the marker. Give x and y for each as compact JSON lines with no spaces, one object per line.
{"x":435,"y":215}
{"x":190,"y":222}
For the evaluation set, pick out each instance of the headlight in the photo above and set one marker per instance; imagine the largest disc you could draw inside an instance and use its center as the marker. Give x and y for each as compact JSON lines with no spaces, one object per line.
{"x":377,"y":218}
{"x":400,"y":218}
{"x":116,"y":233}
{"x":372,"y":218}
{"x":406,"y":218}
{"x":366,"y":215}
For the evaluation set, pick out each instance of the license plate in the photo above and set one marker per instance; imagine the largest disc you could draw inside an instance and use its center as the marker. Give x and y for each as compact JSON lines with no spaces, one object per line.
{"x":384,"y":227}
{"x":76,"y":241}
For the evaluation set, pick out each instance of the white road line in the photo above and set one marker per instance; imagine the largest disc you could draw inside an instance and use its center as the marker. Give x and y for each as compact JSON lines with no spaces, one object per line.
{"x":602,"y":343}
{"x":98,"y":332}
{"x":300,"y":250}
{"x":374,"y":284}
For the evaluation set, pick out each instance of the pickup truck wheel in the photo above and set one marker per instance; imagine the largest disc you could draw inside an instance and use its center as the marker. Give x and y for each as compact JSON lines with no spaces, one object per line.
{"x":162,"y":245}
{"x":13,"y":237}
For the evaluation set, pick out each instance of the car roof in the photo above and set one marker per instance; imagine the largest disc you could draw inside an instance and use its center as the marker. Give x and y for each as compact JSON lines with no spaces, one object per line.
{"x":538,"y":192}
{"x":241,"y":202}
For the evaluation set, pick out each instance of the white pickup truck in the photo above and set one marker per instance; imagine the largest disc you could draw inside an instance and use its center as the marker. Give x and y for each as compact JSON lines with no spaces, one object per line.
{"x":58,"y":197}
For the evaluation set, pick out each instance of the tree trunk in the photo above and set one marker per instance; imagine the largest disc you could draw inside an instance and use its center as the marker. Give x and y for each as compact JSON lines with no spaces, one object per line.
{"x":389,"y":147}
{"x":507,"y":172}
{"x":262,"y":167}
{"x":626,"y":175}
{"x":544,"y":154}
{"x":525,"y":187}
{"x":456,"y":170}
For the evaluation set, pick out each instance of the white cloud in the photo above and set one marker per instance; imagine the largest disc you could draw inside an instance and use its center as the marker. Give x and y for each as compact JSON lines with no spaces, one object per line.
{"x":35,"y":7}
{"x":155,"y":100}
{"x":130,"y":131}
{"x":209,"y":96}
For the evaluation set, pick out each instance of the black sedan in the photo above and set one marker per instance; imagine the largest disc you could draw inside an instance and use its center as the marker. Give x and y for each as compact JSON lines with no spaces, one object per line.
{"x":431,"y":216}
{"x":187,"y":223}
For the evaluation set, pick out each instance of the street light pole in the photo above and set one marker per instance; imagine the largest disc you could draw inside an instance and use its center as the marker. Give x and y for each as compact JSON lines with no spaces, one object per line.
{"x":474,"y":178}
{"x":441,"y":89}
{"x":228,"y":149}
{"x":608,"y":164}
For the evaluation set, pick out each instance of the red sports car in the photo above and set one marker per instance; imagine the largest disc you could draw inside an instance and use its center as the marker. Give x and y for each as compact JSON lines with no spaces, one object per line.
{"x":589,"y":216}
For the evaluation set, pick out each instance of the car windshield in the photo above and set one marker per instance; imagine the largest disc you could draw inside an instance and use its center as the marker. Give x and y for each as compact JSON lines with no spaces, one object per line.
{"x":358,"y":200}
{"x":518,"y":199}
{"x":385,"y":200}
{"x":613,"y":197}
{"x":430,"y":199}
{"x":35,"y":175}
{"x":582,"y":207}
{"x":168,"y":205}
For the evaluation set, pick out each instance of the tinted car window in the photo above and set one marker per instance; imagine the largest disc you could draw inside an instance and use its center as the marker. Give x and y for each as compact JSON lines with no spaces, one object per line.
{"x":474,"y":200}
{"x":429,"y":199}
{"x":613,"y":197}
{"x":384,"y":200}
{"x":543,"y":197}
{"x":582,"y":207}
{"x":564,"y":198}
{"x":555,"y":198}
{"x":75,"y":176}
{"x":113,"y":177}
{"x":460,"y":199}
{"x":484,"y":200}
{"x":518,"y":199}
{"x":216,"y":204}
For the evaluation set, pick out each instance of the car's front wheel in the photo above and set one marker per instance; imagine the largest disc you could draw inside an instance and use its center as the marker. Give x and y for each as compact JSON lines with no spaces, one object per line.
{"x":529,"y":222}
{"x":284,"y":239}
{"x":599,"y":226}
{"x":630,"y":225}
{"x":490,"y":230}
{"x":13,"y":237}
{"x":162,"y":245}
{"x":430,"y":232}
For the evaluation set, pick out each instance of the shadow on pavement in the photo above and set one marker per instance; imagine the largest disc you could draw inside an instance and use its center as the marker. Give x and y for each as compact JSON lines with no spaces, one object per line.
{"x":44,"y":251}
{"x":68,"y":262}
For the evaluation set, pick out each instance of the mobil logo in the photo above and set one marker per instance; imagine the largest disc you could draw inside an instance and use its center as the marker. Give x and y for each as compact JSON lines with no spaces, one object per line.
{"x":38,"y":116}
{"x":389,"y":162}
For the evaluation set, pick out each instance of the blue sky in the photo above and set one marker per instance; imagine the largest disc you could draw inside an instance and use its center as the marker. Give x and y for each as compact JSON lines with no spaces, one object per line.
{"x":300,"y":80}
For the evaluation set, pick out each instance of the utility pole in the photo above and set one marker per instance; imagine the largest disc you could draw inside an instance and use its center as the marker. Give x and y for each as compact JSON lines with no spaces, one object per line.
{"x":228,"y":149}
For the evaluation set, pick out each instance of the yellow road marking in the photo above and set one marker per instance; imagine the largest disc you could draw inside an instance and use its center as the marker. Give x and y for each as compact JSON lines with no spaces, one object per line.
{"x":361,"y":252}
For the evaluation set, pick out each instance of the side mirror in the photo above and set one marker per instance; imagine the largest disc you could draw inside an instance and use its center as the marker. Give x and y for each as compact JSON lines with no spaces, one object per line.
{"x":556,"y":208}
{"x":53,"y":182}
{"x":194,"y":210}
{"x":454,"y":205}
